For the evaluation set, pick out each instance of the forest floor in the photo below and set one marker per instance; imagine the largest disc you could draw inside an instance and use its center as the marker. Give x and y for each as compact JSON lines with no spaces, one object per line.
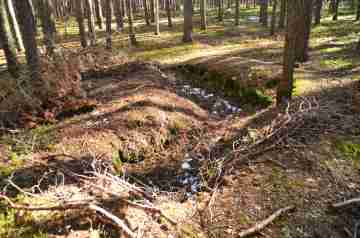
{"x":159,"y":126}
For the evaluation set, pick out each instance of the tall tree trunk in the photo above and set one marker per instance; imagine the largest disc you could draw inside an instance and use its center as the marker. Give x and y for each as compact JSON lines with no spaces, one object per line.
{"x":318,"y":9}
{"x":168,"y":12}
{"x":14,"y":25}
{"x":99,"y":14}
{"x":8,"y":42}
{"x":157,"y":17}
{"x":119,"y":16}
{"x":203,"y":10}
{"x":28,"y":29}
{"x":358,"y":11}
{"x":146,"y":10}
{"x":302,"y":44}
{"x":187,"y":37}
{"x":131,"y":26}
{"x":273,"y":18}
{"x":294,"y":19}
{"x":264,"y":4}
{"x":46,"y":13}
{"x":282,"y":16}
{"x":152,"y":10}
{"x":220,"y":9}
{"x":80,"y":21}
{"x":237,"y":12}
{"x":91,"y":22}
{"x":108,"y":15}
{"x":336,"y":10}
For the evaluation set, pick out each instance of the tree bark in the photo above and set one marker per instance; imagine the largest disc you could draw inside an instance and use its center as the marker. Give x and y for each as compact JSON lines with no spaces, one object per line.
{"x":220,"y":10}
{"x":146,"y":11}
{"x":304,"y":29}
{"x":294,"y":19}
{"x":80,"y":21}
{"x":203,"y":10}
{"x":8,"y":42}
{"x":119,"y":15}
{"x":91,"y":22}
{"x":282,"y":16}
{"x":336,"y":10}
{"x":46,"y":12}
{"x":168,"y":12}
{"x":237,"y":12}
{"x":28,"y":29}
{"x":14,"y":25}
{"x":99,"y":14}
{"x":131,"y":26}
{"x":318,"y":9}
{"x":187,"y":37}
{"x":273,"y":18}
{"x":108,"y":15}
{"x":264,"y":5}
{"x":157,"y":17}
{"x":152,"y":10}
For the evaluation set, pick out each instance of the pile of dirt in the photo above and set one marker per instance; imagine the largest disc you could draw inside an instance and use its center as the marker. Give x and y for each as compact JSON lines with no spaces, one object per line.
{"x":58,"y":93}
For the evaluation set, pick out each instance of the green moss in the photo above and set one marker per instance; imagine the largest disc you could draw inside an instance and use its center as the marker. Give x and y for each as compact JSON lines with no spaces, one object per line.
{"x":255,"y":97}
{"x":349,"y":149}
{"x":41,"y":138}
{"x":10,"y":229}
{"x":272,"y":83}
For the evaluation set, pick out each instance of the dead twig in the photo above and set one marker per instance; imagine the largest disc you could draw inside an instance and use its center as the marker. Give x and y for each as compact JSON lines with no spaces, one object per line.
{"x":346,"y":203}
{"x":118,"y":222}
{"x":261,"y":225}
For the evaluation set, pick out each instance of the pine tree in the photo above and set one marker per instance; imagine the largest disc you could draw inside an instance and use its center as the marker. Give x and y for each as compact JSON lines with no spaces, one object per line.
{"x":8,"y":42}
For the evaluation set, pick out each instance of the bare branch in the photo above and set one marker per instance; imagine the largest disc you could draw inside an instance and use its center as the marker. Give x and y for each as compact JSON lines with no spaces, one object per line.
{"x":259,"y":226}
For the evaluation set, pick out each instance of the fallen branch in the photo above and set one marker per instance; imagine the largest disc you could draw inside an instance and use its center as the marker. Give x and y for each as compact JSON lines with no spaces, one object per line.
{"x":120,"y":223}
{"x":346,"y":203}
{"x":259,"y":226}
{"x":61,"y":207}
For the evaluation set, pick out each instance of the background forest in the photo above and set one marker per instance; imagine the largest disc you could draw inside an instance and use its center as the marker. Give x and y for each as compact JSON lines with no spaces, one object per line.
{"x":179,"y":118}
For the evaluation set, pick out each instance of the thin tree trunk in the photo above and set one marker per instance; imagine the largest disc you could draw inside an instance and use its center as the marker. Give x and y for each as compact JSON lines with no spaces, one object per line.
{"x":187,"y":37}
{"x":282,"y":16}
{"x":80,"y":21}
{"x":318,"y":9}
{"x":131,"y":26}
{"x":152,"y":10}
{"x":358,"y":11}
{"x":157,"y":17}
{"x":336,"y":10}
{"x":302,"y":44}
{"x":99,"y":14}
{"x":273,"y":18}
{"x":237,"y":12}
{"x":168,"y":12}
{"x":14,"y":25}
{"x":264,"y":4}
{"x":46,"y":12}
{"x":8,"y":42}
{"x":119,"y":16}
{"x":220,"y":10}
{"x":28,"y":29}
{"x":203,"y":10}
{"x":146,"y":10}
{"x":108,"y":15}
{"x":285,"y":87}
{"x":91,"y":22}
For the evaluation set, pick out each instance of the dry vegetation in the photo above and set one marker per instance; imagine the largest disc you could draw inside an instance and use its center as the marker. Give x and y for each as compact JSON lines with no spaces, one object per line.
{"x":114,"y":160}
